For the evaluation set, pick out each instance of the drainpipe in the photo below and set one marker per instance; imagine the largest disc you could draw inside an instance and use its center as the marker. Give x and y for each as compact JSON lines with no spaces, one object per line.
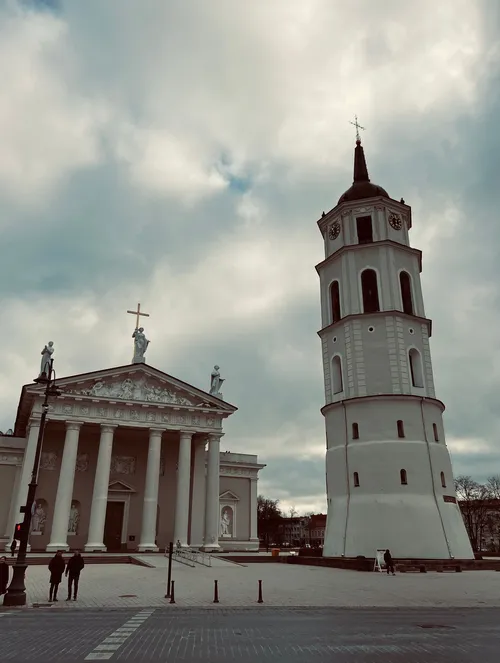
{"x":432,"y":477}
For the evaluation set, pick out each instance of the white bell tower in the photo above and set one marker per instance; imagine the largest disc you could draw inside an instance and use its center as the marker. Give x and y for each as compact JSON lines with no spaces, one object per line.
{"x":388,"y":471}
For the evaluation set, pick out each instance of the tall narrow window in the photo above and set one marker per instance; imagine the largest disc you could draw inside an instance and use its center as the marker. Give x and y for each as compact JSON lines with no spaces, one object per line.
{"x":370,"y":291}
{"x":335,"y":301}
{"x":337,"y":381}
{"x":365,"y":230}
{"x":401,"y":428}
{"x":356,"y":480}
{"x":355,"y":431}
{"x":417,"y":376}
{"x":404,"y":477}
{"x":436,"y":434}
{"x":405,"y":284}
{"x":443,"y":480}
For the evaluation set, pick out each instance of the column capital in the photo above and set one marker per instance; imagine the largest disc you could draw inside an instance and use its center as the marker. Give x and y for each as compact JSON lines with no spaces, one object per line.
{"x":156,"y":432}
{"x":186,"y":434}
{"x":108,"y":428}
{"x":215,"y":436}
{"x":74,"y":425}
{"x":34,"y":422}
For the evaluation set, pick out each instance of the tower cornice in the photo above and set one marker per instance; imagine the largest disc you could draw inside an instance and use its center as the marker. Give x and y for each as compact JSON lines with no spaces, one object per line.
{"x":343,"y":208}
{"x":378,"y":314}
{"x":380,"y":397}
{"x":361,"y":247}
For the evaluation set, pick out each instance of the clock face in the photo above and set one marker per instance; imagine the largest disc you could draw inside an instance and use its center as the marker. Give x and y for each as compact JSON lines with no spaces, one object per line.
{"x":395,"y":221}
{"x":334,"y":231}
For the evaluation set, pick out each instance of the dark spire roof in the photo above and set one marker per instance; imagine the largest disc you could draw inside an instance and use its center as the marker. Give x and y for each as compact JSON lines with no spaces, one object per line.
{"x":361,"y":186}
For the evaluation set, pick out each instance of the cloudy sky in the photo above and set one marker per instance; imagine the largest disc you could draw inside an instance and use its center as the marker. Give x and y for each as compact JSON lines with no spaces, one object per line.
{"x":179,"y":153}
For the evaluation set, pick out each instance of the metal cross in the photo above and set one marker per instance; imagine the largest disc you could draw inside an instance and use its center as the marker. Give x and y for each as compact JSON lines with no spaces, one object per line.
{"x":138,"y":314}
{"x":358,"y":127}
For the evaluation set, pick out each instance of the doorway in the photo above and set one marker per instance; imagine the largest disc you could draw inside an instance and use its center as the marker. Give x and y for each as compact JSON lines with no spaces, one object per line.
{"x":113,"y":526}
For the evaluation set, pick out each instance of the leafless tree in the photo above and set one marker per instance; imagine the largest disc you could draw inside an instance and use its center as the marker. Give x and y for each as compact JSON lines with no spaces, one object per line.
{"x":474,"y":500}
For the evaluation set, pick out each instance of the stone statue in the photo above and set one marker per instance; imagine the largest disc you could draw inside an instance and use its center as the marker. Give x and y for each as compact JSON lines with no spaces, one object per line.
{"x":140,"y":346}
{"x":216,"y":382}
{"x":38,"y":519}
{"x":74,"y":519}
{"x":225,"y":523}
{"x":46,"y":353}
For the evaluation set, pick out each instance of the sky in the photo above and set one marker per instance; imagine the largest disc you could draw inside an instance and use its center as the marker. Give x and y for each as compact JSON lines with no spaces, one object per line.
{"x":179,"y":153}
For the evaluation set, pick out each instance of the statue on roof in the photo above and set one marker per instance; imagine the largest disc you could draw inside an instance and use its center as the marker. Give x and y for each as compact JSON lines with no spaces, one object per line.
{"x":140,"y":346}
{"x":216,"y":383}
{"x":46,"y":353}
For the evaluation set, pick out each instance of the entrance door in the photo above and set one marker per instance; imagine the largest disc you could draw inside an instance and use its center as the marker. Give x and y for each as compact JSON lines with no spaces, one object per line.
{"x":113,"y":526}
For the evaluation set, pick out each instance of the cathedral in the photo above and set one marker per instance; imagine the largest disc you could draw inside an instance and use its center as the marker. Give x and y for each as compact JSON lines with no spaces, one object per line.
{"x":388,"y":470}
{"x":130,"y":461}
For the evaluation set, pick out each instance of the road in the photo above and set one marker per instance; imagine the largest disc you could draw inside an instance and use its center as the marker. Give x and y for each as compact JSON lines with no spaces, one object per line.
{"x":251,"y":635}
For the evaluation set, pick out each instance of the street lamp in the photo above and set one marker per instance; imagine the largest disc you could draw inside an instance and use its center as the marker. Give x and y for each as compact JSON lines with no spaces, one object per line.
{"x":16,"y":593}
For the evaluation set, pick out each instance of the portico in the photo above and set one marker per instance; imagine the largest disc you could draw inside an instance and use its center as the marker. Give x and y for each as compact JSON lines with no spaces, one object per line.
{"x":130,"y":461}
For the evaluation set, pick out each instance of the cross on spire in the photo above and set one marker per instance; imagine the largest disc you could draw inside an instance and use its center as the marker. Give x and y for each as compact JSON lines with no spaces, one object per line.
{"x":138,"y":313}
{"x":358,"y":127}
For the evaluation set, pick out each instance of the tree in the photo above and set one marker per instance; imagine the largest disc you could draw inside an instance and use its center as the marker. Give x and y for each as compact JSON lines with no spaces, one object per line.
{"x":475,"y":504}
{"x":269,"y":517}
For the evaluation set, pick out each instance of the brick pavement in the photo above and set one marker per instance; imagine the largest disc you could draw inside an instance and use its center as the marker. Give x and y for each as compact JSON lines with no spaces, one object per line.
{"x":283,"y":585}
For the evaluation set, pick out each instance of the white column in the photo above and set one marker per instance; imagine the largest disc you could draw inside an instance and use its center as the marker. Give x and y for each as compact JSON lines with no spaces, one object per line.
{"x":212,"y":516}
{"x":26,"y":470}
{"x":198,"y":492}
{"x":100,"y":494}
{"x":148,"y":528}
{"x":183,"y":486}
{"x":62,"y":508}
{"x":253,"y":510}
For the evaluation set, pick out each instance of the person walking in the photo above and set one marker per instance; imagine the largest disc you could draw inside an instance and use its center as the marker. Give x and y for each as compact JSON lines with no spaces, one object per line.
{"x":4,"y":575}
{"x":73,"y":569}
{"x":389,"y":562}
{"x":13,"y":547}
{"x":56,"y":568}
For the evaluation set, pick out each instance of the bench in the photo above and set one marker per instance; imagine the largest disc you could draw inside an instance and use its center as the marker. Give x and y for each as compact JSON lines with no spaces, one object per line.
{"x":408,"y":568}
{"x":449,"y":568}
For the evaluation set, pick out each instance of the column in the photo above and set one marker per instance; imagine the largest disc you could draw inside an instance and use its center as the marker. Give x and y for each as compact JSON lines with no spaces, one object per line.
{"x":198,"y":492}
{"x":100,"y":494}
{"x":183,"y":486}
{"x":148,"y":527}
{"x":26,"y":470}
{"x":253,"y":510}
{"x":212,"y":516}
{"x":62,"y":508}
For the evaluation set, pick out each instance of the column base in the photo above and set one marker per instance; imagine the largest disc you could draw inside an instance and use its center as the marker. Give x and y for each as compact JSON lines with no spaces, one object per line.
{"x":7,"y":548}
{"x":54,"y":547}
{"x":95,"y":547}
{"x":147,"y":548}
{"x":211,"y":547}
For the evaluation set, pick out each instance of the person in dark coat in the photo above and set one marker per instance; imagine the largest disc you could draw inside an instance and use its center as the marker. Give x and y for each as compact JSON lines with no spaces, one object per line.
{"x":4,"y":575}
{"x":73,"y":569}
{"x":56,"y":568}
{"x":13,"y":547}
{"x":389,"y":562}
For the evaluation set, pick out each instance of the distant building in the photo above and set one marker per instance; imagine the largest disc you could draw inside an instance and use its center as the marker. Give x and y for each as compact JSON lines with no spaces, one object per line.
{"x":317,"y":526}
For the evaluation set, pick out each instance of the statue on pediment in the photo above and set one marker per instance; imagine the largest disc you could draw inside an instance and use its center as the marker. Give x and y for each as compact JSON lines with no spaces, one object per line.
{"x":216,"y":382}
{"x":140,"y":346}
{"x":46,"y":353}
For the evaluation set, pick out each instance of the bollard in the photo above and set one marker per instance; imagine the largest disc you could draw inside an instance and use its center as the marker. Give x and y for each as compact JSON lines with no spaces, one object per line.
{"x":261,"y":600}
{"x":172,"y":593}
{"x":216,"y":591}
{"x":169,"y":578}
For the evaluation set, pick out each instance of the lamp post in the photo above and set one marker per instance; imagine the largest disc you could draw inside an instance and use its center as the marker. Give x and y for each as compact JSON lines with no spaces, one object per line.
{"x":16,"y":593}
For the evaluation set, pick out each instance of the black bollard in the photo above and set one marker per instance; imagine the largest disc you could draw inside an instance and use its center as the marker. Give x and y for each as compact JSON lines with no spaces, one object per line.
{"x":216,"y":591}
{"x":261,"y":600}
{"x":169,"y":577}
{"x":172,"y":593}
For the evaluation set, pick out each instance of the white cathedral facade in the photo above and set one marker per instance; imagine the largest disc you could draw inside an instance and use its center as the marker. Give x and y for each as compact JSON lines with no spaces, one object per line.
{"x":389,"y":476}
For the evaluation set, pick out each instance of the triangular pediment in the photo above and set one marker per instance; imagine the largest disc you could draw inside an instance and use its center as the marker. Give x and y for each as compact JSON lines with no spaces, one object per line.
{"x":120,"y":487}
{"x":229,"y":496}
{"x":136,"y":383}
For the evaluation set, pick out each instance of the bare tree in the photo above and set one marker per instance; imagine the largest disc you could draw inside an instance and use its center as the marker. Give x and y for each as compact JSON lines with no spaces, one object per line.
{"x":475,"y":504}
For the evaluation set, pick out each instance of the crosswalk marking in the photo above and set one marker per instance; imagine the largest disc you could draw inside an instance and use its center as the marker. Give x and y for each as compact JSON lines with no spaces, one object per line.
{"x":111,"y":643}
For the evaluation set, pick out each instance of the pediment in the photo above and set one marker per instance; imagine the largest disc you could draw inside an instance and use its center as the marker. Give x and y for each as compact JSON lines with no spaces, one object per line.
{"x":120,"y":487}
{"x":228,"y":496}
{"x":137,"y":383}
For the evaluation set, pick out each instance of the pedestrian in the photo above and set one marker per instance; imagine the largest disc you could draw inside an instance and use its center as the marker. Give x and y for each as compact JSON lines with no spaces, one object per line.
{"x":56,"y":568}
{"x":389,"y":562}
{"x":73,"y":569}
{"x":4,"y":575}
{"x":13,"y":547}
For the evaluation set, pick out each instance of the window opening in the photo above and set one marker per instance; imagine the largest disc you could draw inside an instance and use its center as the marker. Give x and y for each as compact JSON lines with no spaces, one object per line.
{"x":370,"y":291}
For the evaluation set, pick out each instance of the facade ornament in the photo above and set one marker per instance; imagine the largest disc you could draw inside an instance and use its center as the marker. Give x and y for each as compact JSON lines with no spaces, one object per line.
{"x":216,"y":383}
{"x":46,"y":353}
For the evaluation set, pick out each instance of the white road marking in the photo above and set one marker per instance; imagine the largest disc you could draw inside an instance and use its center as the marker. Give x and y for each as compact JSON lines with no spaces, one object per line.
{"x":112,"y":642}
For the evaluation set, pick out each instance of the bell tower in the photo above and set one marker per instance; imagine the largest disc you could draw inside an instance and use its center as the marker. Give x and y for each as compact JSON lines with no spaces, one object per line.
{"x":388,"y":470}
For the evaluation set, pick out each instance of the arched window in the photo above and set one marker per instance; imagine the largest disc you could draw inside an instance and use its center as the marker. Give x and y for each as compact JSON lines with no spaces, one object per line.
{"x":443,"y":480}
{"x":404,"y":477}
{"x":335,"y":301}
{"x":401,"y":428}
{"x":355,"y":431}
{"x":405,"y":284}
{"x":356,"y":480}
{"x":417,"y":375}
{"x":370,"y":291}
{"x":337,"y":381}
{"x":436,"y":435}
